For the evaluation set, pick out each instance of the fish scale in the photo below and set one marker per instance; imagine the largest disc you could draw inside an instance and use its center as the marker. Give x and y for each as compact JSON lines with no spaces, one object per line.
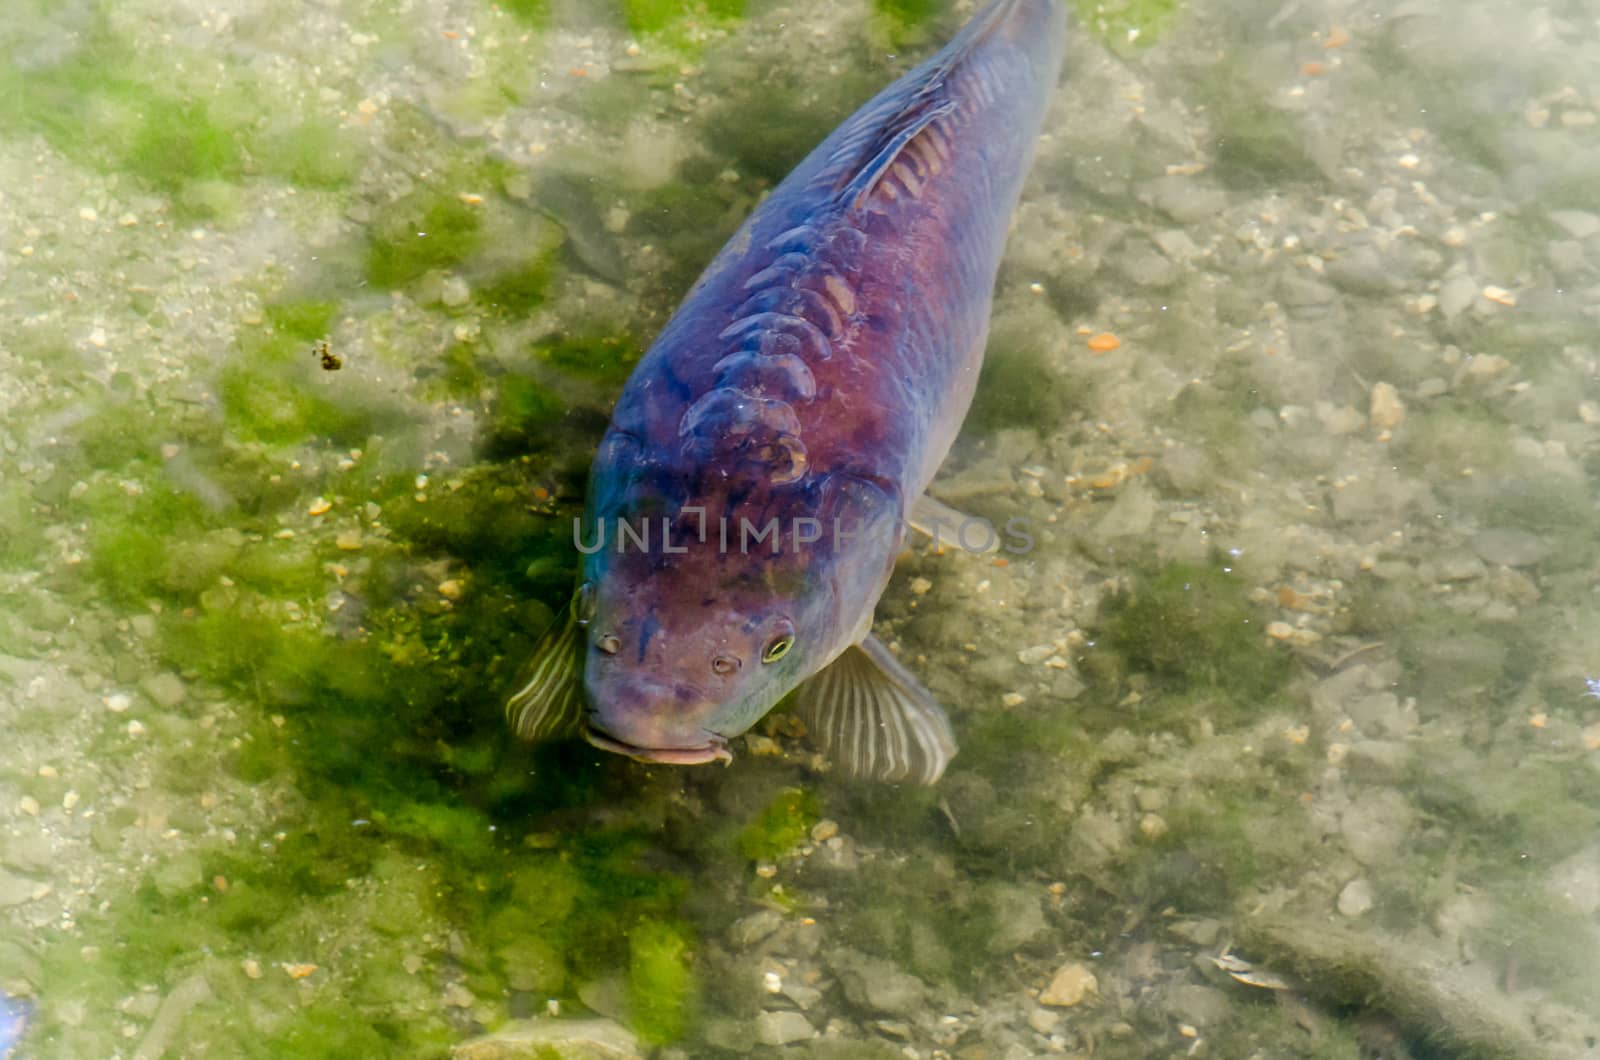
{"x":813,"y":380}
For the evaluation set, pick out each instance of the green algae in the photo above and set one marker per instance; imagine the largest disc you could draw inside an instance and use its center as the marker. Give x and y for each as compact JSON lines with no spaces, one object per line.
{"x":661,"y":983}
{"x":533,"y":12}
{"x":424,"y":231}
{"x":384,"y":727}
{"x":1123,"y":23}
{"x":906,"y":23}
{"x":604,"y":359}
{"x":178,"y":142}
{"x":1191,"y":628}
{"x":273,"y":407}
{"x":21,"y":530}
{"x":1257,"y":144}
{"x":1020,"y":386}
{"x":99,"y":103}
{"x":657,"y":16}
{"x":781,"y":826}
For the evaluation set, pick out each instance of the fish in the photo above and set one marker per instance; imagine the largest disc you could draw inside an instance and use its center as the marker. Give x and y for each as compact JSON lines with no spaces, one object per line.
{"x":14,"y":1012}
{"x":771,"y":449}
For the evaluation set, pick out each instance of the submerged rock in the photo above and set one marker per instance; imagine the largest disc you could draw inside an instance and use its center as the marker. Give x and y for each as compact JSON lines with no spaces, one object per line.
{"x":878,"y":985}
{"x":781,"y":1028}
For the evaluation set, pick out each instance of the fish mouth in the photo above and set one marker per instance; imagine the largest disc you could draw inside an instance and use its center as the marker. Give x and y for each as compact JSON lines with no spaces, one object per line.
{"x":713,"y":750}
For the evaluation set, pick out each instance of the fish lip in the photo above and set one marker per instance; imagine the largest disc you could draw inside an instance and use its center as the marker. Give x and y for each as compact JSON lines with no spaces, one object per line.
{"x":713,"y":750}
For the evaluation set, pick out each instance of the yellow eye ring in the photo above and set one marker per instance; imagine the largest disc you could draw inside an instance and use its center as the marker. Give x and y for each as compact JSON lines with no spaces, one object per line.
{"x":778,"y":648}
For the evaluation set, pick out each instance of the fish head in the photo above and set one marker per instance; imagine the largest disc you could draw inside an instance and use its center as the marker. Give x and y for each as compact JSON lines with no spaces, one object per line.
{"x":680,"y":657}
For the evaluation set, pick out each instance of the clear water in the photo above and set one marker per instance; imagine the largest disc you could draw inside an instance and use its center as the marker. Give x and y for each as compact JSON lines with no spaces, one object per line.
{"x":1286,"y":733}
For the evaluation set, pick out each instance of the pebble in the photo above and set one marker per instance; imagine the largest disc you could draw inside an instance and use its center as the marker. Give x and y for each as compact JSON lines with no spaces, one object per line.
{"x":824,"y":830}
{"x":1375,"y":826}
{"x":1500,"y":296}
{"x":1386,"y":410}
{"x":1356,"y":898}
{"x":592,"y":1039}
{"x":878,"y":985}
{"x":320,"y":506}
{"x":919,"y":586}
{"x":169,"y":1019}
{"x":1510,"y":547}
{"x":450,"y":589}
{"x":166,"y":689}
{"x":17,"y":890}
{"x":28,"y":805}
{"x":118,"y":702}
{"x":1488,"y":365}
{"x":781,"y":1028}
{"x":251,"y":968}
{"x":1578,"y":224}
{"x":1069,"y":986}
{"x":747,"y":931}
{"x":1044,"y":1021}
{"x":1456,"y":295}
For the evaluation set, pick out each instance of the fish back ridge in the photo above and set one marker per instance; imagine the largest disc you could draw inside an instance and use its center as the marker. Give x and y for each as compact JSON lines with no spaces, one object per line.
{"x":912,"y":118}
{"x":791,"y":315}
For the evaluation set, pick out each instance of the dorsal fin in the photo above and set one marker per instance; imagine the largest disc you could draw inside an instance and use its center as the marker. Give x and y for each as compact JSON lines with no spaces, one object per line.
{"x":924,"y":102}
{"x":907,"y":126}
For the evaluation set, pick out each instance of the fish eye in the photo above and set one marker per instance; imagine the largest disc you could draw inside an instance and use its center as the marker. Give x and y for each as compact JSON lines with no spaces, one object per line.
{"x":610,"y":644}
{"x":778,"y":648}
{"x":583,"y":605}
{"x":725,"y":664}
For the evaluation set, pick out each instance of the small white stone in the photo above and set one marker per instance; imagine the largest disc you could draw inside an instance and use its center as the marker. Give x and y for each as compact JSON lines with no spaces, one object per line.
{"x":118,"y":702}
{"x":1356,"y":898}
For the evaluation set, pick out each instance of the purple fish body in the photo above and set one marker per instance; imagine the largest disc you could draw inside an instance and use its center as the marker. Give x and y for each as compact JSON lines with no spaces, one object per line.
{"x":748,"y":500}
{"x":13,"y":1023}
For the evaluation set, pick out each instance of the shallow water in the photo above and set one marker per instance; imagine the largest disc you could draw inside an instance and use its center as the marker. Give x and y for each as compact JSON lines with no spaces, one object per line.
{"x":1283,"y":742}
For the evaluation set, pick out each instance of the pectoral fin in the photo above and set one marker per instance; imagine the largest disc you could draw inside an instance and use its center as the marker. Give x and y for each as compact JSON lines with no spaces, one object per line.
{"x":550,"y":704}
{"x":874,"y":718}
{"x":943,"y":523}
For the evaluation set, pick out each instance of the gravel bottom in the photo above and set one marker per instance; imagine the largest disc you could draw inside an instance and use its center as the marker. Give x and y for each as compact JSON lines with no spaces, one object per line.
{"x":1282,"y":739}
